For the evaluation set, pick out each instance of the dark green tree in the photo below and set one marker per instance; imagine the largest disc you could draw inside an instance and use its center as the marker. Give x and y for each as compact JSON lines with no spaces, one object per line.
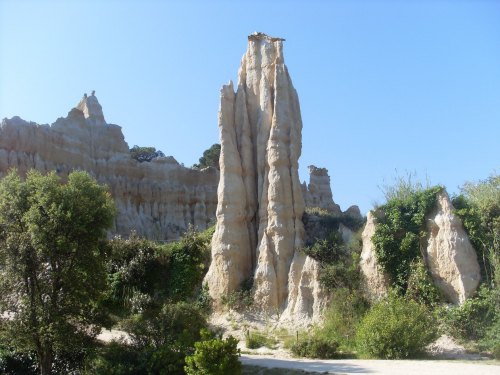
{"x":210,"y":157}
{"x":52,"y":262}
{"x":142,"y":154}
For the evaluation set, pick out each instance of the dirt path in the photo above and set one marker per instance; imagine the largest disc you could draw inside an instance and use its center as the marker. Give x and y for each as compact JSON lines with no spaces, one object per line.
{"x":358,"y":366}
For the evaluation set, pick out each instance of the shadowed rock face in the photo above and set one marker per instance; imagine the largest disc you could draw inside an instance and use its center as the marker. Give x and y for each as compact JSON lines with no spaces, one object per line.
{"x":157,"y":199}
{"x":260,"y":203}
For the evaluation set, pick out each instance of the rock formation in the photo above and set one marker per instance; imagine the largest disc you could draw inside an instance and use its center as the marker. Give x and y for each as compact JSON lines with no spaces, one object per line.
{"x":259,"y":215}
{"x":158,"y":199}
{"x":376,"y":282}
{"x":319,"y":192}
{"x":449,"y":256}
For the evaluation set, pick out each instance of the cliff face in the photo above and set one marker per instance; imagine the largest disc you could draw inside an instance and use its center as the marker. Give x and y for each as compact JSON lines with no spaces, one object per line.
{"x":448,"y":255}
{"x":158,"y":199}
{"x":259,"y":215}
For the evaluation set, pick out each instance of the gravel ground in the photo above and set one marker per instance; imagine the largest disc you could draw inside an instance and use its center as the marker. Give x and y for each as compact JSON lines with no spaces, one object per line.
{"x":393,"y":367}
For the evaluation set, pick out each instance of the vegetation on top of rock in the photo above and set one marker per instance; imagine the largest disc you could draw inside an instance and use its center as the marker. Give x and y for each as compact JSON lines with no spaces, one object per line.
{"x":210,"y":157}
{"x":401,"y":229}
{"x":142,"y":154}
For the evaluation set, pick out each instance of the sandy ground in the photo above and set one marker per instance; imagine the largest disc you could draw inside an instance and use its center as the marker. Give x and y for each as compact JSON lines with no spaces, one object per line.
{"x":360,"y":366}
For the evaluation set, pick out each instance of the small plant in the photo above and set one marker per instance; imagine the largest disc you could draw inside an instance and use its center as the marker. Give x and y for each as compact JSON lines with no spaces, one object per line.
{"x":214,"y":356}
{"x":316,"y":347}
{"x":396,"y":328}
{"x":255,"y":340}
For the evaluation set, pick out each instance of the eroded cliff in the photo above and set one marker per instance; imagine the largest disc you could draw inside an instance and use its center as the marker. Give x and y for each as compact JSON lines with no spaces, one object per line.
{"x":158,"y":199}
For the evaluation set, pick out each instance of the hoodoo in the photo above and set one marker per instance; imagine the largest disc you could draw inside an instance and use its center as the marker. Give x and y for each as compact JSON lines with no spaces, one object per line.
{"x":259,"y":228}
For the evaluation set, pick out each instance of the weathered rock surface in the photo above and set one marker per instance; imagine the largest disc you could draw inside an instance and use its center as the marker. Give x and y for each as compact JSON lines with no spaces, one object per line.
{"x":158,"y":199}
{"x":450,"y":257}
{"x":375,"y":282}
{"x":319,"y":192}
{"x":259,"y":215}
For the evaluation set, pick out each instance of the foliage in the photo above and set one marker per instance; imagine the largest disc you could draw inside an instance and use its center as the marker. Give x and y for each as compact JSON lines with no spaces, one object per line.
{"x":342,"y":316}
{"x":117,"y":358}
{"x":472,"y":319}
{"x":137,"y":271}
{"x":214,"y":356}
{"x":189,"y":260}
{"x":479,"y":208}
{"x":52,"y":262}
{"x":13,"y":362}
{"x":210,"y":157}
{"x":240,"y":299}
{"x":255,"y":340}
{"x":400,"y":229}
{"x":142,"y":154}
{"x":421,"y":288}
{"x":144,"y":274}
{"x":316,"y":347}
{"x":395,"y":328}
{"x":339,"y":263}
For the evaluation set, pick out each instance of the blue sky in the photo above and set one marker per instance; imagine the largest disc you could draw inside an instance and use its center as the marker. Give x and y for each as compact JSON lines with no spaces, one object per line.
{"x":385,"y":86}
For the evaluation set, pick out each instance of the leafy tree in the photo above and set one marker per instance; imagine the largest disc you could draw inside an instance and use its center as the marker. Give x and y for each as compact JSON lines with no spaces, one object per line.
{"x":52,"y":263}
{"x":210,"y":157}
{"x":142,"y":154}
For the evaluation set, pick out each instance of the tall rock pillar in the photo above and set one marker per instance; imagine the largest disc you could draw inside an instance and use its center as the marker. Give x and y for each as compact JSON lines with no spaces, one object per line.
{"x":260,"y":206}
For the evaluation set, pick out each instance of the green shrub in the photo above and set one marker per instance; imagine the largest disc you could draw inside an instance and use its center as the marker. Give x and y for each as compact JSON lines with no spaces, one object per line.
{"x":13,"y":362}
{"x":214,"y":356}
{"x":472,"y":319}
{"x":491,"y":340}
{"x":316,"y":347}
{"x":395,"y":328}
{"x":421,"y":288}
{"x":342,"y":316}
{"x":255,"y":340}
{"x":117,"y":358}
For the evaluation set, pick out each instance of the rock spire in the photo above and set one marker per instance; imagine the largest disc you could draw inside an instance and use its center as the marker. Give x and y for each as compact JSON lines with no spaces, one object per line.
{"x":260,"y":202}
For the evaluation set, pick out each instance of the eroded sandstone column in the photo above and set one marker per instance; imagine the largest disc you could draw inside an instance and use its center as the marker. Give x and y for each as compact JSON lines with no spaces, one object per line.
{"x":260,"y":207}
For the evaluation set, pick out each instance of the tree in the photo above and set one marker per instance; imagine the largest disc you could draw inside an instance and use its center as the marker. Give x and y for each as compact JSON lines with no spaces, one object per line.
{"x":52,"y":262}
{"x":142,"y":154}
{"x":210,"y":157}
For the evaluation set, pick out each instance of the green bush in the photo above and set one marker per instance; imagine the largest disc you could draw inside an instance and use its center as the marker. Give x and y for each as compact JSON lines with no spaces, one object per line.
{"x":117,"y":358}
{"x":214,"y":356}
{"x":472,"y":319}
{"x":341,"y":318}
{"x":316,"y":347}
{"x":255,"y":340}
{"x":395,"y":328}
{"x":421,"y":288}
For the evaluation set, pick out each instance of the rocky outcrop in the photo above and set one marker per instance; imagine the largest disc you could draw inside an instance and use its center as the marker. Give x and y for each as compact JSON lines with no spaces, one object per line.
{"x":319,"y":192}
{"x":448,"y":255}
{"x":158,"y":199}
{"x":259,"y":214}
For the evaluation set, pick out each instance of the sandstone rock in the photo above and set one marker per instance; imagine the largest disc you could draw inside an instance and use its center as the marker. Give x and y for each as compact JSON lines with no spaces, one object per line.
{"x":157,"y":199}
{"x":319,"y":191}
{"x":259,"y":215}
{"x":449,"y":255}
{"x":375,"y":281}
